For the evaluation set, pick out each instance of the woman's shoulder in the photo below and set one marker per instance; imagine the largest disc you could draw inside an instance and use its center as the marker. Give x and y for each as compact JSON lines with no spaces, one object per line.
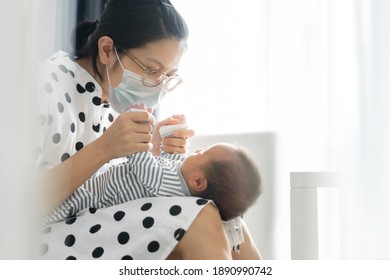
{"x":59,"y":55}
{"x":62,"y":62}
{"x":62,"y":70}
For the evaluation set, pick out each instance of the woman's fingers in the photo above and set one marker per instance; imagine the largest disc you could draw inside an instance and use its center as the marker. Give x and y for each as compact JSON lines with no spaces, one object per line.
{"x":175,"y":145}
{"x":188,"y":133}
{"x":141,"y":117}
{"x":174,"y":149}
{"x":142,"y":128}
{"x":131,"y":132}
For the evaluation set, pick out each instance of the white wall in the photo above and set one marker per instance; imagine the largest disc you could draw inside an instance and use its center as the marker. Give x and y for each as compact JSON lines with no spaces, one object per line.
{"x":16,"y":81}
{"x":30,"y":30}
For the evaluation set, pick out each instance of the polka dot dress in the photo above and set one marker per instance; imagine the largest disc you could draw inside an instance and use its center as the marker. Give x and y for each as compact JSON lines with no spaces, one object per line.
{"x":71,"y":116}
{"x":143,"y":229}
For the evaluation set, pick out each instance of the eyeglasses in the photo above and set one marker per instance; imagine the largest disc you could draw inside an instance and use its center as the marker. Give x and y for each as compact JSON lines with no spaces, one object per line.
{"x":153,"y":78}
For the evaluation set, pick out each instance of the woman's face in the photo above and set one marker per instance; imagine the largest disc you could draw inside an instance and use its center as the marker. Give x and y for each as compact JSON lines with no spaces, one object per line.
{"x":163,"y":56}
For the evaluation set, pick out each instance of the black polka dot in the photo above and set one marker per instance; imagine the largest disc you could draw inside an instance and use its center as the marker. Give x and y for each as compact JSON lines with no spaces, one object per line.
{"x":63,"y":68}
{"x":54,"y":76}
{"x":60,"y":107}
{"x":43,"y":249}
{"x":56,"y":138}
{"x":119,"y":215}
{"x":96,"y":128}
{"x":71,"y":73}
{"x":82,"y":117}
{"x":90,"y":87}
{"x":123,"y":238}
{"x":179,"y":233}
{"x":104,"y":129}
{"x":175,"y":210}
{"x":146,"y":206}
{"x":46,"y":230}
{"x":48,"y":88}
{"x":64,"y":157}
{"x":97,"y":101}
{"x":72,"y":127}
{"x":148,"y":222}
{"x":71,"y":258}
{"x":153,"y":246}
{"x":71,"y":221}
{"x":92,"y":210}
{"x":201,"y":201}
{"x":110,"y":117}
{"x":79,"y":146}
{"x":67,"y":98}
{"x":95,"y":228}
{"x":127,"y":257}
{"x":70,"y":240}
{"x":80,"y":88}
{"x":98,"y":252}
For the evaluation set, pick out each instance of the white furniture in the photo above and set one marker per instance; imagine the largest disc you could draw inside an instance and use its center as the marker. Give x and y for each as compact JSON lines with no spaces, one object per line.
{"x":261,"y":216}
{"x":315,"y":216}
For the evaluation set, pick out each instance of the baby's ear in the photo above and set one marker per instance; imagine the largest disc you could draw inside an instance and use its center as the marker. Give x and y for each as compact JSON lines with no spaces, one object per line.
{"x":198,"y":183}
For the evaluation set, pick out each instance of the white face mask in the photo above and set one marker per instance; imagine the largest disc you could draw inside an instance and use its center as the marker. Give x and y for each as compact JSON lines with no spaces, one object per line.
{"x":131,"y":91}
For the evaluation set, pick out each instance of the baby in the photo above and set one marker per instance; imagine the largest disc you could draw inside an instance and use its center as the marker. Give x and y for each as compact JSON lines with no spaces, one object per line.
{"x":224,"y":173}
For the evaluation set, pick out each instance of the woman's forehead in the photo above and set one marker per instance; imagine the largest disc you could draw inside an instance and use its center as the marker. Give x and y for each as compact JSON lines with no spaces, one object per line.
{"x":166,"y":52}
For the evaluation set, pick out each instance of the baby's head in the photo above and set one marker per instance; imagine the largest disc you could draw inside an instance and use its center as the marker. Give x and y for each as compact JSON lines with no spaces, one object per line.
{"x":226,"y":174}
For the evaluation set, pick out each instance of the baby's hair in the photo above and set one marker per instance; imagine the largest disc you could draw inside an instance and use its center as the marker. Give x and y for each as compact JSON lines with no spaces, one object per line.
{"x":233,"y":185}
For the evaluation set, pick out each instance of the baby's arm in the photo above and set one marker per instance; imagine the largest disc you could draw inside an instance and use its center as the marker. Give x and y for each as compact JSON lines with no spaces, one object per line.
{"x":157,"y":174}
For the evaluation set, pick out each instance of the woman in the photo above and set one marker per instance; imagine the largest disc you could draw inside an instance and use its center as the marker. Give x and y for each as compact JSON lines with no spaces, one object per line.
{"x":130,"y":57}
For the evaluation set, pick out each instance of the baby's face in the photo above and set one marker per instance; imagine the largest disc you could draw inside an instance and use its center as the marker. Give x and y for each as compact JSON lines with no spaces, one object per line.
{"x":198,"y":159}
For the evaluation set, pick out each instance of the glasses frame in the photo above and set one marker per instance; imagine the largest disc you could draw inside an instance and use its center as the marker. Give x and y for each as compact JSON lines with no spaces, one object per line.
{"x":147,"y":70}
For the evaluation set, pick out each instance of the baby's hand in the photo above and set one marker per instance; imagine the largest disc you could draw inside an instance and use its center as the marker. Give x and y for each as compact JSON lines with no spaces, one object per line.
{"x":176,"y":142}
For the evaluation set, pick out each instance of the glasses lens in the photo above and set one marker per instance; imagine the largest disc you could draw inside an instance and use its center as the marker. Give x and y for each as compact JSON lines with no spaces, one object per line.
{"x":153,"y":78}
{"x":172,"y":83}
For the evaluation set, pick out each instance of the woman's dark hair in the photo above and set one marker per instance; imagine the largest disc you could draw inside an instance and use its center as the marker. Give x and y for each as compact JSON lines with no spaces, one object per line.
{"x":130,"y":24}
{"x":233,"y":185}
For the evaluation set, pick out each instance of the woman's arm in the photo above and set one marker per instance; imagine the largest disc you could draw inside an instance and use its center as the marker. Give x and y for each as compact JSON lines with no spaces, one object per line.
{"x":61,"y":181}
{"x":205,"y":239}
{"x":130,"y":133}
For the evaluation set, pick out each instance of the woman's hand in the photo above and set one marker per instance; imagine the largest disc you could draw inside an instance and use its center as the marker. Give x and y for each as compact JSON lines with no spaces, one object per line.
{"x":178,"y":144}
{"x":131,"y":132}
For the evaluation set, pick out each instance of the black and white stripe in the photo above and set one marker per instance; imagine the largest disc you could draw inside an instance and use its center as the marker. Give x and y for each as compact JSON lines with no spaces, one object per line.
{"x":142,"y":175}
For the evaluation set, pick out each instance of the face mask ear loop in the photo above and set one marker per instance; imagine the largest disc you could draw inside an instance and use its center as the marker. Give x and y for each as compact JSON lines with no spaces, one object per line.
{"x":117,"y":56}
{"x":108,"y":76}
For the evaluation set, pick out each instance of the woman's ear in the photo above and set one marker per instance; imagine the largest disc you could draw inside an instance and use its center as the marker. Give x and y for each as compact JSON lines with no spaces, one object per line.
{"x":105,"y":49}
